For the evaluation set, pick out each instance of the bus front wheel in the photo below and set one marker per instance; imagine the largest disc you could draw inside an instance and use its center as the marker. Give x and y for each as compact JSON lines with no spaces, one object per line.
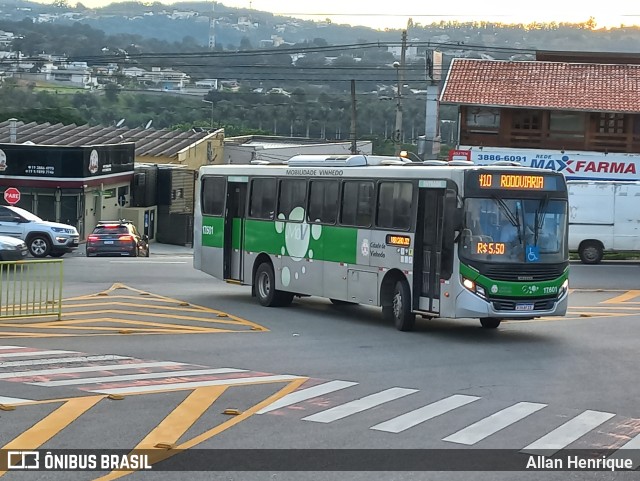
{"x":400,"y":309}
{"x":490,"y":322}
{"x":265,"y":288}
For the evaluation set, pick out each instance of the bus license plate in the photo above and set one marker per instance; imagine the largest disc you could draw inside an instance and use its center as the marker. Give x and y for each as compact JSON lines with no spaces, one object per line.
{"x":524,"y":307}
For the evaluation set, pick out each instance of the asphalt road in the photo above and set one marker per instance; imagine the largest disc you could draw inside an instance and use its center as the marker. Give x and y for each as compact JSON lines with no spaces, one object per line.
{"x":546,"y":383}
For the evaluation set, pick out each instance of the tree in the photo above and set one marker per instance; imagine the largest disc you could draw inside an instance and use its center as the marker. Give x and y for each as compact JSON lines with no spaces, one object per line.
{"x":245,"y":43}
{"x":111,"y":92}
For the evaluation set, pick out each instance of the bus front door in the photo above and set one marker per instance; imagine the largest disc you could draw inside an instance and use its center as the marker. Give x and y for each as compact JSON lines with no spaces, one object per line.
{"x":428,"y":250}
{"x":234,"y":230}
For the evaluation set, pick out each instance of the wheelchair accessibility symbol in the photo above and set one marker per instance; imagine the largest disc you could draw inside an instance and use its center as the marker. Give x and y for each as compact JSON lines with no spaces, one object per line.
{"x":532,"y":253}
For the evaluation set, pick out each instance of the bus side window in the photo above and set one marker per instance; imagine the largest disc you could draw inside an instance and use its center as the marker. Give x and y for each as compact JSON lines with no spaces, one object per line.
{"x":262,"y":204}
{"x":357,"y":203}
{"x":293,"y":194}
{"x":212,"y":196}
{"x":394,"y":205}
{"x":323,"y":201}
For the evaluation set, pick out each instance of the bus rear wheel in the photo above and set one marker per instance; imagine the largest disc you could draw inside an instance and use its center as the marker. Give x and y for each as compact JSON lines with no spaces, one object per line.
{"x":490,"y":322}
{"x":400,"y":309}
{"x":265,"y":288}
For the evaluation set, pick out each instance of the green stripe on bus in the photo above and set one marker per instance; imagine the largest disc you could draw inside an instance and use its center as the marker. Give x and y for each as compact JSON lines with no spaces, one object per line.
{"x":236,"y":225}
{"x":212,"y":231}
{"x":322,"y":243}
{"x":516,"y":288}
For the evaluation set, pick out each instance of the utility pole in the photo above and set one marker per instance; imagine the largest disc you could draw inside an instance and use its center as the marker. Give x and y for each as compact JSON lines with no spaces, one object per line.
{"x":352,"y":134}
{"x":397,"y":134}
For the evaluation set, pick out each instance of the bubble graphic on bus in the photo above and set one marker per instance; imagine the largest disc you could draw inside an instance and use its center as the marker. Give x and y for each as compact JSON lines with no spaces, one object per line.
{"x":286,"y":276}
{"x":297,"y":236}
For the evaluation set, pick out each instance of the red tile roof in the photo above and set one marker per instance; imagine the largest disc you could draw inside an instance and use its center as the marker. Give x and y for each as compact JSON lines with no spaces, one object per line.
{"x":546,"y":85}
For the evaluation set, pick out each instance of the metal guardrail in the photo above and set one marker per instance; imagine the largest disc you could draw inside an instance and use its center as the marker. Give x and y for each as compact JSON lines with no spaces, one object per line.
{"x":31,"y":288}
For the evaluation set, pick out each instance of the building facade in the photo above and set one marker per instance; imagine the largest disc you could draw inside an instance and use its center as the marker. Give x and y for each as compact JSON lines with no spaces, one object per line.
{"x":78,"y":186}
{"x":578,"y":113}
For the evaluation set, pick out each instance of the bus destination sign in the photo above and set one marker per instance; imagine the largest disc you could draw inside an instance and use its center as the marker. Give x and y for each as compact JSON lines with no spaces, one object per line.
{"x":398,"y":240}
{"x":511,"y":181}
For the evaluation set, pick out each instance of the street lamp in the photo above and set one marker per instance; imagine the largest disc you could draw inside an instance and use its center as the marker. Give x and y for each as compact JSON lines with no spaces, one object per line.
{"x":210,"y":102}
{"x":397,"y":134}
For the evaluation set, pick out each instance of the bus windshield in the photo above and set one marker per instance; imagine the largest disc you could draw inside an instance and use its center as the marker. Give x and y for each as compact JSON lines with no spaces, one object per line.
{"x":514,"y":230}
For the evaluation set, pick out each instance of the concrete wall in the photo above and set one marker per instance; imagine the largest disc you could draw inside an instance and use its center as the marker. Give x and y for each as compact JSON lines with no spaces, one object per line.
{"x":244,"y":154}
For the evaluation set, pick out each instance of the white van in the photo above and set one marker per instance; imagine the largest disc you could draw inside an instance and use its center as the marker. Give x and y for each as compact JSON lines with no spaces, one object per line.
{"x":604,"y":216}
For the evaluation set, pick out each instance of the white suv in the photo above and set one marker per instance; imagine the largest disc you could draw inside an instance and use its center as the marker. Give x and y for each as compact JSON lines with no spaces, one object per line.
{"x":42,"y":237}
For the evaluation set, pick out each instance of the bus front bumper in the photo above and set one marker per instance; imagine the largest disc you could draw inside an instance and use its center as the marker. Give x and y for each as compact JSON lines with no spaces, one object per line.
{"x":473,"y":306}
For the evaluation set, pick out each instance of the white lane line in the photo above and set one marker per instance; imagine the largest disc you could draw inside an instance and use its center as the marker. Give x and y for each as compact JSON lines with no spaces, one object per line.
{"x":99,"y":367}
{"x":13,"y":400}
{"x":35,"y":353}
{"x":305,"y":394}
{"x":62,"y":360}
{"x":359,"y":405}
{"x":569,"y":432}
{"x":420,"y":415}
{"x":6,"y":348}
{"x":195,"y":384}
{"x":624,"y":453}
{"x":133,"y":377}
{"x":494,"y":423}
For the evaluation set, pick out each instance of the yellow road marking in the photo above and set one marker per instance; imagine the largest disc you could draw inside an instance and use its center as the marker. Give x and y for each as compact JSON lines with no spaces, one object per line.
{"x":623,"y":297}
{"x":138,"y":313}
{"x":44,"y":430}
{"x":72,"y":324}
{"x":162,"y":454}
{"x":182,"y":417}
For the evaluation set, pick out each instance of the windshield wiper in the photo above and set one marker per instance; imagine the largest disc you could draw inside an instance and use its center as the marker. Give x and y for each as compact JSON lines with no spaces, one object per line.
{"x":540,"y":214}
{"x":514,"y":219}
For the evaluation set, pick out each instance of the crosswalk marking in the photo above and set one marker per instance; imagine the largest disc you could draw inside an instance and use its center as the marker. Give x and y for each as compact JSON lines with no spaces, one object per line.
{"x":195,"y":384}
{"x":133,"y":377}
{"x":624,"y":453}
{"x":34,"y":353}
{"x":494,"y":423}
{"x":430,"y":411}
{"x":62,"y":360}
{"x":569,"y":432}
{"x":13,"y":400}
{"x":176,"y":376}
{"x":359,"y":405}
{"x":97,"y":367}
{"x":306,"y":394}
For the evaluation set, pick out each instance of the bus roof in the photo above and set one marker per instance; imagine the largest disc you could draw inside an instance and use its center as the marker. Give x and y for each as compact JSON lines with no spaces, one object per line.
{"x":361,"y":166}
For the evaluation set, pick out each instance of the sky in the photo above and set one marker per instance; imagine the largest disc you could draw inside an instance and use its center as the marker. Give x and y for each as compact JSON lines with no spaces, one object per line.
{"x":382,"y":14}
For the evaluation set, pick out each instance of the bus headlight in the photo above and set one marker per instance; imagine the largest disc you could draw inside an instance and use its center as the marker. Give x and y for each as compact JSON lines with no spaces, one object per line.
{"x":563,"y":288}
{"x":473,"y":287}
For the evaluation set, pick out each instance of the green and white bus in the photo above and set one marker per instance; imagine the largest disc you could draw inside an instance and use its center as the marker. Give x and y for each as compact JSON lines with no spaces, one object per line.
{"x":438,"y":239}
